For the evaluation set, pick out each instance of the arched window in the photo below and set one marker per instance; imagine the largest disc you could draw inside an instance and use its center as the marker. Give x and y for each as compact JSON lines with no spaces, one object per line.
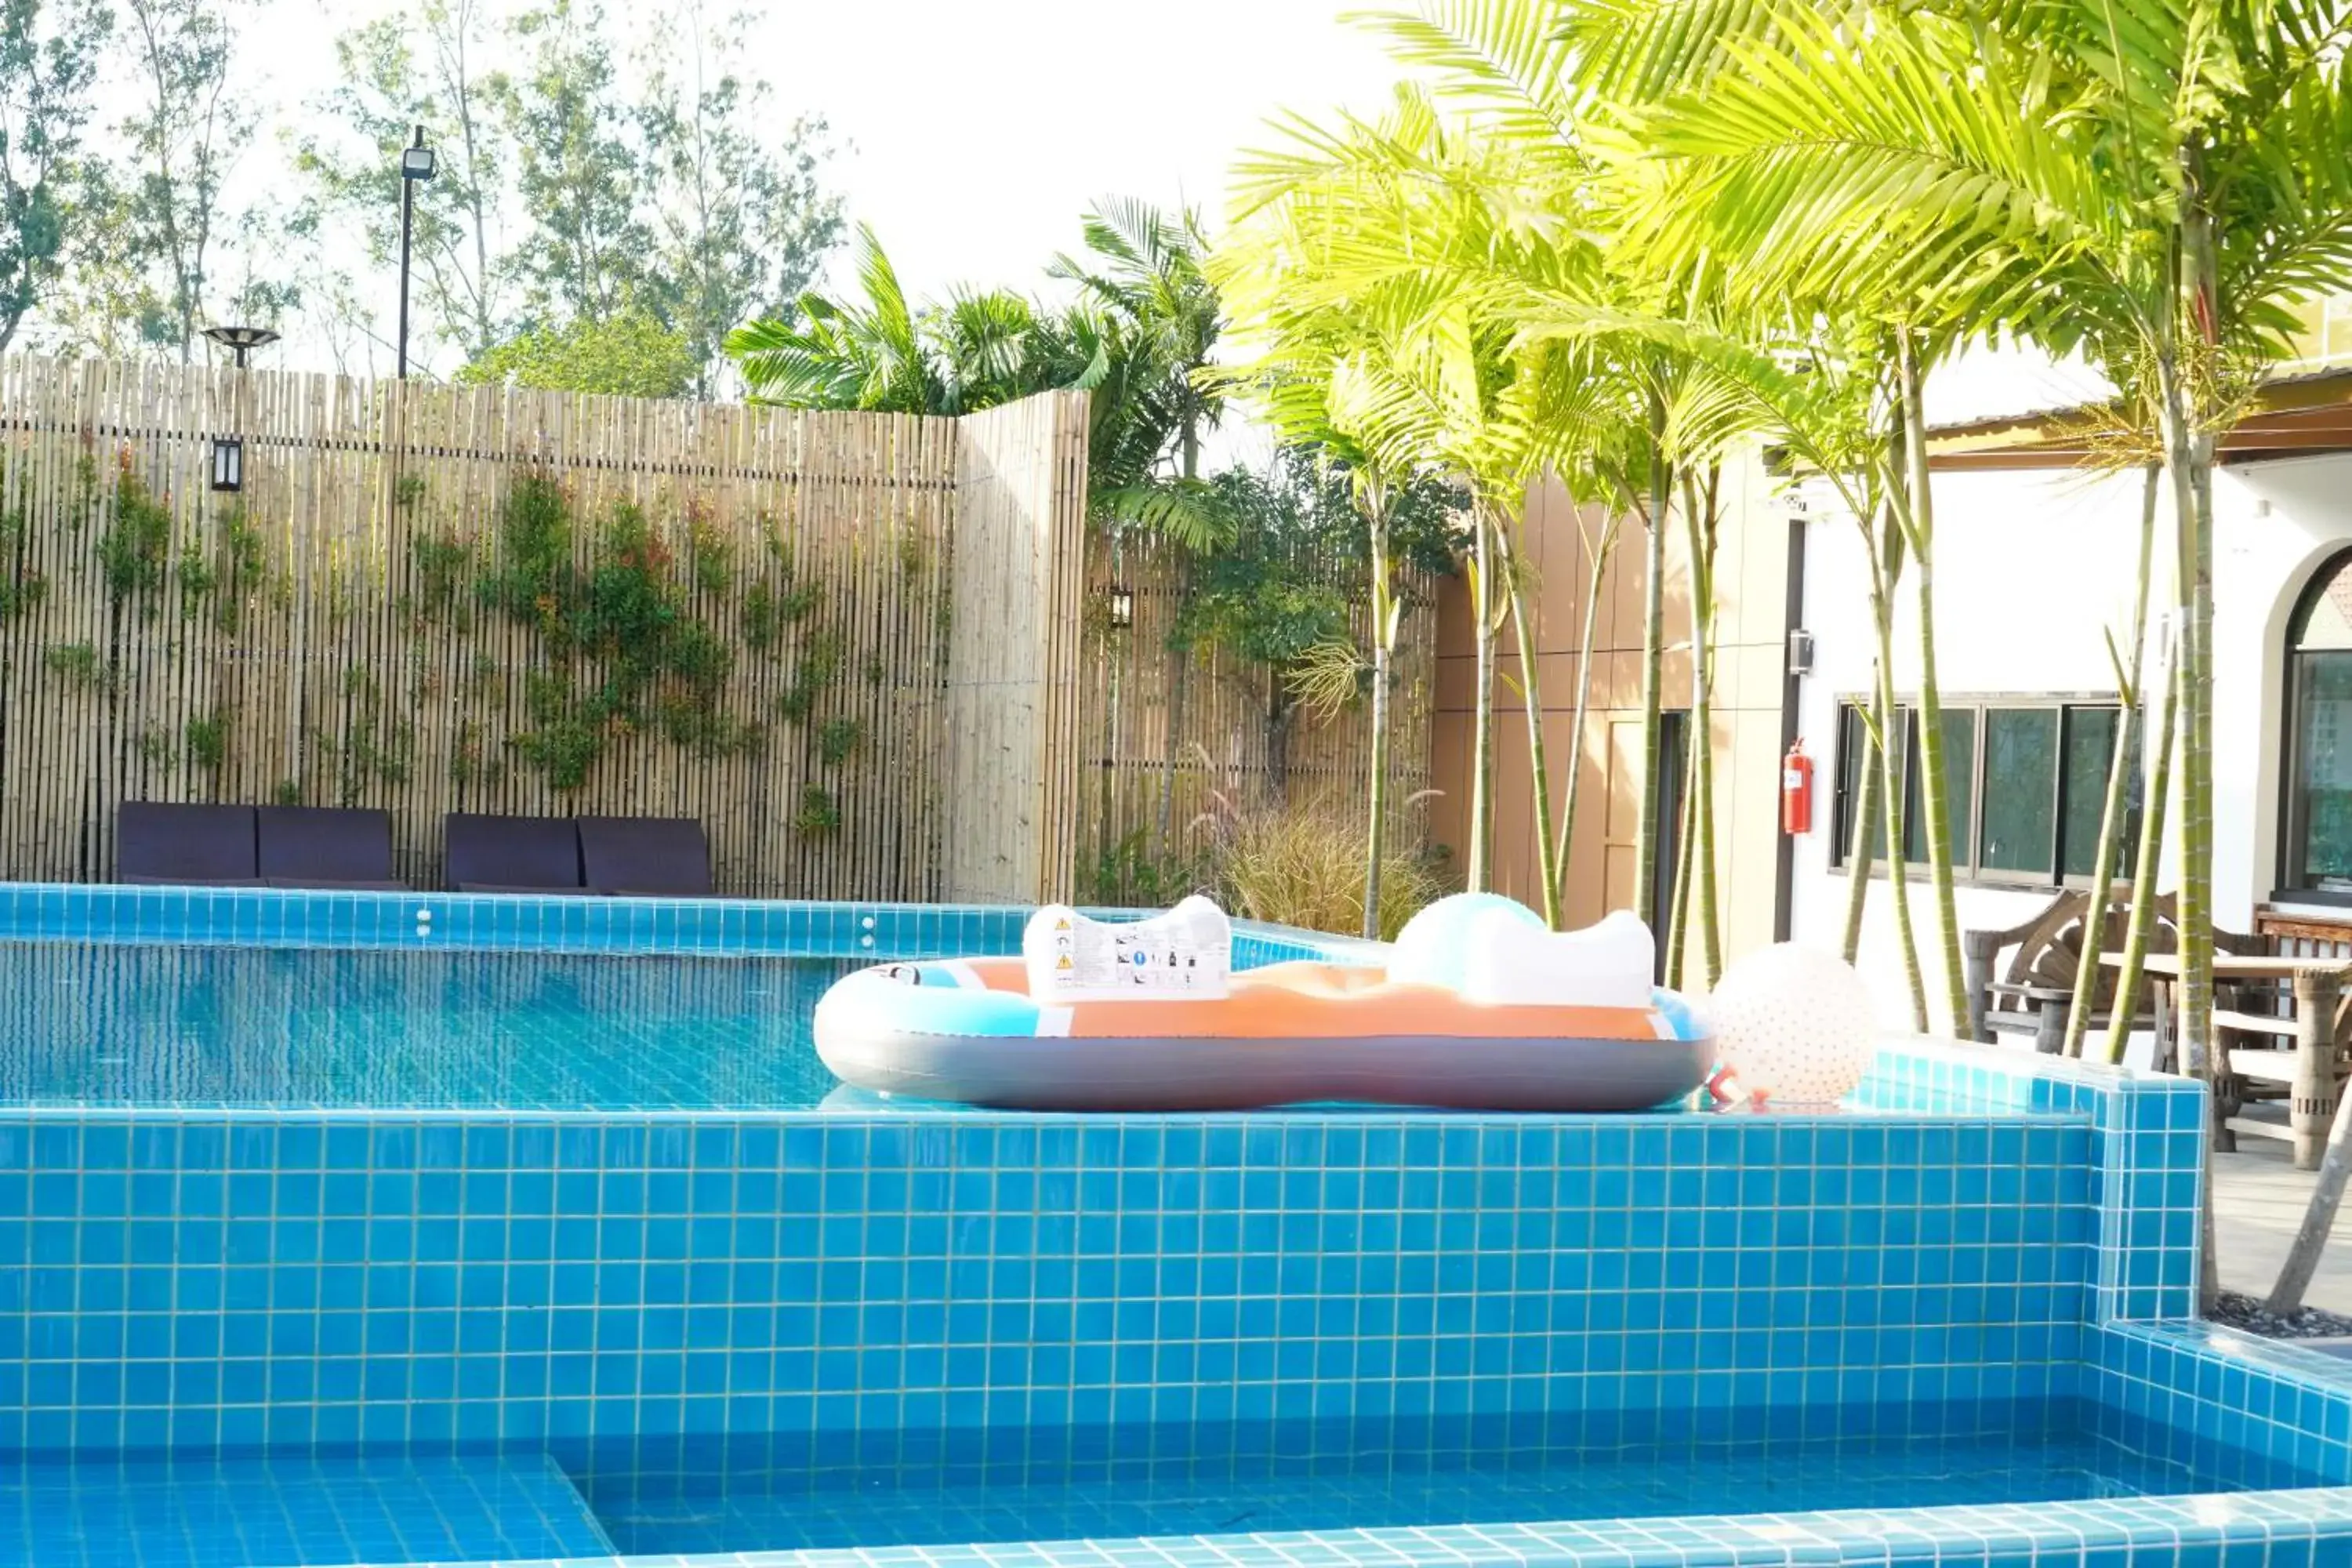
{"x":2316,"y":844}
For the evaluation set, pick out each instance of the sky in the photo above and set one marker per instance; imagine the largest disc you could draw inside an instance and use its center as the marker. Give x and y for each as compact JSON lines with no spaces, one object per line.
{"x":976,"y":131}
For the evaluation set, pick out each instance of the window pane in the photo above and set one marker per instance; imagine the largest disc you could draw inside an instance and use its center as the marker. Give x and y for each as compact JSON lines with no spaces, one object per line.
{"x":2089,"y":749}
{"x":1959,"y":731}
{"x":2021,"y":789}
{"x":2323,"y":781}
{"x":1856,"y":758}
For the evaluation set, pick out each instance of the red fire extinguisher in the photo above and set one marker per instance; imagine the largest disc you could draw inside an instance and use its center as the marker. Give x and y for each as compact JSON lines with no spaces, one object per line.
{"x":1797,"y":791}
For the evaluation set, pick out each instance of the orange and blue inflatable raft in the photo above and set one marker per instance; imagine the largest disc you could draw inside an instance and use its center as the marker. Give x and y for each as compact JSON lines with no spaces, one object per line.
{"x":970,"y":1031}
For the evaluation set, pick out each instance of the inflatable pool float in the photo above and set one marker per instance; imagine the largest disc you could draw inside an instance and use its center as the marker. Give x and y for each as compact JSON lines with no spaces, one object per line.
{"x":1479,"y":1008}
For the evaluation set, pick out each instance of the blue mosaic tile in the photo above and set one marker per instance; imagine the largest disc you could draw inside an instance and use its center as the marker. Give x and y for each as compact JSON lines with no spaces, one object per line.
{"x":290,"y":1513}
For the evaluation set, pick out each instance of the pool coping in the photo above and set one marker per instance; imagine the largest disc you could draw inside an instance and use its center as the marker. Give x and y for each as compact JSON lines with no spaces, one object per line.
{"x":531,"y":923}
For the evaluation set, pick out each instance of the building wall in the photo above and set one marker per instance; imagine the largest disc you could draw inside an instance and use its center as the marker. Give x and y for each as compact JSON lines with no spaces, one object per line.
{"x":2032,"y":570}
{"x":1751,"y":575}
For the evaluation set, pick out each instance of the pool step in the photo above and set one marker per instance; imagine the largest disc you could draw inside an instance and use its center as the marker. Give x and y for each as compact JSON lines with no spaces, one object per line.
{"x":290,"y":1513}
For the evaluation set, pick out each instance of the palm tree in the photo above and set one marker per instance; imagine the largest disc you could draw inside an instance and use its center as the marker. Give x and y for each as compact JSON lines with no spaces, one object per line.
{"x":2178,"y":169}
{"x":1142,"y":275}
{"x":1525,"y":72}
{"x":1377,"y":258}
{"x":979,"y":349}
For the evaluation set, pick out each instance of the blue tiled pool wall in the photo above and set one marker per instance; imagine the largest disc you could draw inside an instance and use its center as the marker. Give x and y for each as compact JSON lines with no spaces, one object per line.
{"x":2184,"y":1386}
{"x":2148,"y":1171}
{"x":221,"y":1281}
{"x":430,"y":921}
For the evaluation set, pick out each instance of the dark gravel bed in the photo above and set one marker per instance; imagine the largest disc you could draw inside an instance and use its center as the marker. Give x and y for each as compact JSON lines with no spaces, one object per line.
{"x":2247,"y":1312}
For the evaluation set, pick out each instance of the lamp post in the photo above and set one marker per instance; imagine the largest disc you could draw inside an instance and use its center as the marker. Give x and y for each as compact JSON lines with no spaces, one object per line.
{"x":228,"y":451}
{"x":415,"y":165}
{"x":241,"y":340}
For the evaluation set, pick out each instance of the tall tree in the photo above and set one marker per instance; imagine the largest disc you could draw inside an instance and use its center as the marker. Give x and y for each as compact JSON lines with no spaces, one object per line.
{"x":739,"y":211}
{"x":579,"y":175}
{"x":185,"y":132}
{"x":49,"y":59}
{"x":422,"y":66}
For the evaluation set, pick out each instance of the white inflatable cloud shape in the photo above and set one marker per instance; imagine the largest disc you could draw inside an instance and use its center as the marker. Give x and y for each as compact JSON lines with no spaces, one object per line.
{"x":1434,"y":947}
{"x":1487,"y":948}
{"x":1606,"y":965}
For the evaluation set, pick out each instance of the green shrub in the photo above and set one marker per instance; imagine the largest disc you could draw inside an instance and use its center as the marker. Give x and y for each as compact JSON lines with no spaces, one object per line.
{"x":1304,"y":866}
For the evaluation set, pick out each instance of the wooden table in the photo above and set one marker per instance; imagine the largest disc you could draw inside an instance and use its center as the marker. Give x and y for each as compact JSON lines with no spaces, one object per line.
{"x":2318,"y":986}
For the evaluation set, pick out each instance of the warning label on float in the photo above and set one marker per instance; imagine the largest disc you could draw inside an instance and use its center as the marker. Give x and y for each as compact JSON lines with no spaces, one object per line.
{"x":1185,"y":954}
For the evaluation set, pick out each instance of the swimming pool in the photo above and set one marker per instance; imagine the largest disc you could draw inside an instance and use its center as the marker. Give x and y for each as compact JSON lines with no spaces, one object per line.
{"x":255,"y":1312}
{"x":250,"y":1028}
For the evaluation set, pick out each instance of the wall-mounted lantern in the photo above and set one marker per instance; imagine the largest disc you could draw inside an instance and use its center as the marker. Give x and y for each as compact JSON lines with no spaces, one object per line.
{"x":228,"y":463}
{"x":1122,"y":607}
{"x":1800,"y":652}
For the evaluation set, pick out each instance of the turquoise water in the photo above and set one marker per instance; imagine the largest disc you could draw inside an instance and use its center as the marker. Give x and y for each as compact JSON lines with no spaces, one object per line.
{"x":208,"y":1026}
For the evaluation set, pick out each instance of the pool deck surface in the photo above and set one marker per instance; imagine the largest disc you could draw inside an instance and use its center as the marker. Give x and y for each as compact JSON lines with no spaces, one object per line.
{"x":2259,"y":1199}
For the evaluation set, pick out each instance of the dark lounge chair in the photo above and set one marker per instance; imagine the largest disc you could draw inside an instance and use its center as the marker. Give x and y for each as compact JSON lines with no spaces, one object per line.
{"x":512,"y":854}
{"x":186,"y":846}
{"x":327,"y":846}
{"x":645,"y":857}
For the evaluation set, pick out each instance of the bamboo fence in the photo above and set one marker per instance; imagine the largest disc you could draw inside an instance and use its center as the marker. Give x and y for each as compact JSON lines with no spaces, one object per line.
{"x":327,"y":635}
{"x":919,"y":698}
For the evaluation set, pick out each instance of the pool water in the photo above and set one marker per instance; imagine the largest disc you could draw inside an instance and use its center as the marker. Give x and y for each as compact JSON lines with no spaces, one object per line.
{"x":2047,"y":1454}
{"x":219,"y":1026}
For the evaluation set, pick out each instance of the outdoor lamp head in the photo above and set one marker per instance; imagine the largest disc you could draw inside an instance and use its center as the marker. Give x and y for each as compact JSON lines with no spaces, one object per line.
{"x":416,"y":158}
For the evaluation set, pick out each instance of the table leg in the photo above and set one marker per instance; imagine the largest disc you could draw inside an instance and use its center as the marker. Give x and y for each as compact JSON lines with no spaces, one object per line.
{"x":2313,"y":1106}
{"x":2159,"y":1003}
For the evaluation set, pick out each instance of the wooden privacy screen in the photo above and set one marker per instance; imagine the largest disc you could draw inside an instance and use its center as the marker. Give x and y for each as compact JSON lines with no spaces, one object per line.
{"x":431,"y":598}
{"x":1226,"y":757}
{"x":1013,"y":650}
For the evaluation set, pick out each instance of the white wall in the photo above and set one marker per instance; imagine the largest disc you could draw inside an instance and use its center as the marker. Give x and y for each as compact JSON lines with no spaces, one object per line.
{"x":2032,"y":570}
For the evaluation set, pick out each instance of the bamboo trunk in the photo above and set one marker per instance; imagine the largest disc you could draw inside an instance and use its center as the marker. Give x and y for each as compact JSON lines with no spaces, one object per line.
{"x":1481,"y":711}
{"x":2128,"y":686}
{"x":1384,"y":638}
{"x":1860,"y":853}
{"x":1678,"y":917}
{"x":2149,"y":855}
{"x":1933,"y":801}
{"x":1595,"y":578}
{"x":1890,"y":751}
{"x":1698,"y":516}
{"x":1538,"y":771}
{"x":1645,"y":835}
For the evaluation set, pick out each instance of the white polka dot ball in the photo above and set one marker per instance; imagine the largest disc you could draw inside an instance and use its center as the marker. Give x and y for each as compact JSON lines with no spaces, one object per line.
{"x":1794,"y":1025}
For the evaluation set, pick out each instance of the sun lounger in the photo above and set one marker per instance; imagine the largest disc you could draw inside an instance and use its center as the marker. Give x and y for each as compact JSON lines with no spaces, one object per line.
{"x":188,"y":845}
{"x":326,"y":847}
{"x":645,"y":857}
{"x":513,"y":853}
